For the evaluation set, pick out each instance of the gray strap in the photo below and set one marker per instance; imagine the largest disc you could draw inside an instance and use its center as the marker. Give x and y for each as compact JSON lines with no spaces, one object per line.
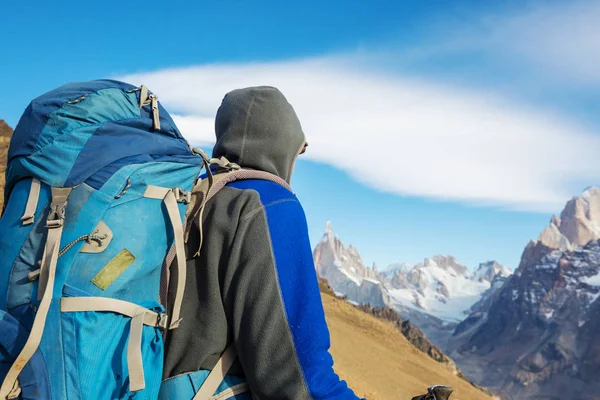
{"x":16,"y":392}
{"x":243,"y":174}
{"x":200,"y":193}
{"x":155,"y":116}
{"x":173,"y":211}
{"x":56,"y":216}
{"x":32,"y":201}
{"x":232,"y":391}
{"x":135,"y":364}
{"x":156,"y":192}
{"x":216,"y":376}
{"x":169,"y":196}
{"x":152,"y":99}
{"x":33,"y":275}
{"x":107,"y":304}
{"x":49,"y":260}
{"x":208,"y":188}
{"x":143,"y":96}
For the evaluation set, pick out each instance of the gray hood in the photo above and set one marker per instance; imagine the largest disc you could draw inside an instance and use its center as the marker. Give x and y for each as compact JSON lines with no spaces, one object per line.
{"x":257,"y":128}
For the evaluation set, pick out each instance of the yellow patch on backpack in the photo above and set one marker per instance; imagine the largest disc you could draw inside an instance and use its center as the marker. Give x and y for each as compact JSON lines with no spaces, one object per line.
{"x":113,"y":269}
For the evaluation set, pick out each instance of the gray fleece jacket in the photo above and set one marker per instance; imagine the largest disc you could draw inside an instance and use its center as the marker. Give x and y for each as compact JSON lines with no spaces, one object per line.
{"x":254,"y":282}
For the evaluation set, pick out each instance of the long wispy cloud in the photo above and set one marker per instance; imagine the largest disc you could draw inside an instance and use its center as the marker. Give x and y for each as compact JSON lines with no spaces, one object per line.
{"x":407,"y":135}
{"x":557,"y":43}
{"x":562,"y":39}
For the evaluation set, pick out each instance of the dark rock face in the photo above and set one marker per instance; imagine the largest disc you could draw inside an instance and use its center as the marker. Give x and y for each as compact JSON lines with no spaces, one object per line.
{"x":538,"y":335}
{"x":413,"y":334}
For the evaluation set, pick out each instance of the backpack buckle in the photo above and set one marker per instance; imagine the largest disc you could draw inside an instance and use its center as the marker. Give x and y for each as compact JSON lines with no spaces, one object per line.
{"x":162,"y":321}
{"x":224,"y":163}
{"x":58,"y":206}
{"x":56,"y":216}
{"x":182,"y":196}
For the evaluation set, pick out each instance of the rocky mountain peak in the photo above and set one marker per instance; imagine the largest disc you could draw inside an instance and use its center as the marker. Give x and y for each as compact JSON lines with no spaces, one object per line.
{"x":328,"y":230}
{"x":579,"y":222}
{"x":489,"y":270}
{"x":345,"y":271}
{"x":353,"y":251}
{"x":539,"y":329}
{"x":445,"y":262}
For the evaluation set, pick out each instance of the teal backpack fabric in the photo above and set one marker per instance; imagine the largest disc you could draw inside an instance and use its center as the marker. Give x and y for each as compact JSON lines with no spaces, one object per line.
{"x":97,"y":183}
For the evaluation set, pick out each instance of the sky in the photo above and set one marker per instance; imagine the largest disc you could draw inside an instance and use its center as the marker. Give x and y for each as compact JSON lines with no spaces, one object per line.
{"x":434,"y":127}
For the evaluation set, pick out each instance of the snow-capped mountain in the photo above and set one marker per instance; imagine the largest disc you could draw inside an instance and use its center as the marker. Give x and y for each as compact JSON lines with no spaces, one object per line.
{"x":346,"y":273}
{"x":488,"y":271}
{"x":435,"y":295}
{"x":440,"y":287}
{"x":392,"y":269}
{"x":537,"y":336}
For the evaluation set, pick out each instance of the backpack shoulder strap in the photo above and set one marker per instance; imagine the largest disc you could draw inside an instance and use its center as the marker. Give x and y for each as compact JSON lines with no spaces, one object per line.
{"x":216,"y":376}
{"x":244,"y":174}
{"x":205,"y":189}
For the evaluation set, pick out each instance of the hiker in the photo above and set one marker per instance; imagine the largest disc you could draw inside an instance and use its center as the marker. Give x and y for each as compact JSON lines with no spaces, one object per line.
{"x":251,"y":281}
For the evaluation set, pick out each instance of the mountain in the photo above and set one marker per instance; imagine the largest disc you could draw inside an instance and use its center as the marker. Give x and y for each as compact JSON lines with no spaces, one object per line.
{"x":5,"y":134}
{"x":579,"y":222}
{"x":434,"y":295}
{"x":393,"y":269}
{"x":537,"y":336}
{"x":378,"y":362}
{"x":489,"y":271}
{"x":346,"y":273}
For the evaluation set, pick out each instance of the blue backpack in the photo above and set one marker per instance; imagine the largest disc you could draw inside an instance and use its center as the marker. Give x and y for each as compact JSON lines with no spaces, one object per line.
{"x":97,"y":183}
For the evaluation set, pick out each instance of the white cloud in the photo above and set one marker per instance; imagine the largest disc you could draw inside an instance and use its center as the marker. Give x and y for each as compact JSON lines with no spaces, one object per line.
{"x":403,"y":136}
{"x":198,"y":130}
{"x":557,"y":41}
{"x":564,"y":38}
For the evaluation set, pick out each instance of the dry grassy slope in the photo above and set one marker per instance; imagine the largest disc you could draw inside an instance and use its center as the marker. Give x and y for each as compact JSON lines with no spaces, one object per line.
{"x":379,"y":363}
{"x":5,"y":133}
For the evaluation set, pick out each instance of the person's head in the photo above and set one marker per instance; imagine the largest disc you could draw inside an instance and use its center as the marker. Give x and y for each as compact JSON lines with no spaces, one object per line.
{"x":257,"y":128}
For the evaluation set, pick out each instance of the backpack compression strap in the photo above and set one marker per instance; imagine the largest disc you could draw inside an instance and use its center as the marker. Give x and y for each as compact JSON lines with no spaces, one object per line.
{"x":48,"y":270}
{"x":171,"y":197}
{"x":32,"y":200}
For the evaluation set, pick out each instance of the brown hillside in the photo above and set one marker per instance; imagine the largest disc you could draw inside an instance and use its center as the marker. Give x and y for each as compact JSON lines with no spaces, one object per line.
{"x":413,"y":334}
{"x":5,"y":134}
{"x":379,"y":363}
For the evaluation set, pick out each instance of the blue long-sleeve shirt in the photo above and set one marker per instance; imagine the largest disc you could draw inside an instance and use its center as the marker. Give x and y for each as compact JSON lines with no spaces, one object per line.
{"x":257,"y":262}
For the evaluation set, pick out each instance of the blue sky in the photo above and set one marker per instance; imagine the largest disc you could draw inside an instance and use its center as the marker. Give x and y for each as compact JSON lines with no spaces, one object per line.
{"x":435,"y":127}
